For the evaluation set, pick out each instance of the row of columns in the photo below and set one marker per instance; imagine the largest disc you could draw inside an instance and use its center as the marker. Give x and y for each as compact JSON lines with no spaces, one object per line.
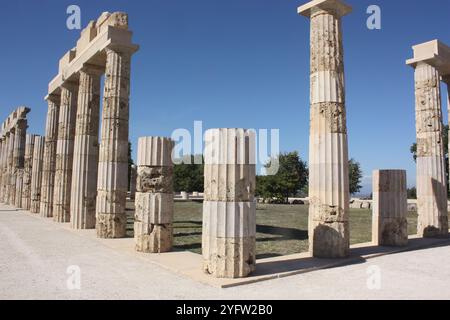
{"x":84,"y":182}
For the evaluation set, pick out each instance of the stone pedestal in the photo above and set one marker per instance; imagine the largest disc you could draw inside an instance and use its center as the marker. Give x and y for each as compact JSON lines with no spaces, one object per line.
{"x":112,"y":184}
{"x":229,"y":208}
{"x":18,"y":163}
{"x":389,"y":208}
{"x":431,"y":180}
{"x":49,"y":163}
{"x":36,"y":176}
{"x":328,"y":149}
{"x":27,"y":172}
{"x":85,"y":161}
{"x":64,"y":153}
{"x":153,"y":231}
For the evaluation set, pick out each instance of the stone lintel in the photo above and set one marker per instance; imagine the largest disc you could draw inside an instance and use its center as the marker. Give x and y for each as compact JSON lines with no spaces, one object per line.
{"x":111,"y":37}
{"x":10,"y":122}
{"x":434,"y":53}
{"x":334,"y":6}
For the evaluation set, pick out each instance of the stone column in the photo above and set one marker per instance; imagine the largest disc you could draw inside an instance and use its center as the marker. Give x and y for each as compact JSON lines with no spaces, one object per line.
{"x":133,"y":177}
{"x":64,"y":153}
{"x":36,"y":176}
{"x":18,"y":161}
{"x":27,"y":172}
{"x":229,"y":208}
{"x":85,"y":158}
{"x":3,"y":153}
{"x":112,"y":184}
{"x":48,"y":166}
{"x":153,"y":231}
{"x":328,"y":149}
{"x":431,"y":179}
{"x":389,"y":208}
{"x":9,"y":147}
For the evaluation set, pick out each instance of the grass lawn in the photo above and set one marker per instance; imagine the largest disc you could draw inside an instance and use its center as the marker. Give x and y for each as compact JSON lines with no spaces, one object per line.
{"x":281,"y":229}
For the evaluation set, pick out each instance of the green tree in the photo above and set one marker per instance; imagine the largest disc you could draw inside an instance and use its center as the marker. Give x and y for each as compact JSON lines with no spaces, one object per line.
{"x":292,"y":176}
{"x":130,"y":163}
{"x":188,"y":177}
{"x":355,"y":176}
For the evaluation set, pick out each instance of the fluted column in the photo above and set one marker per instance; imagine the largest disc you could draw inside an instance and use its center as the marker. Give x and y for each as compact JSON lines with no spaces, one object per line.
{"x":48,"y":166}
{"x":64,"y":152}
{"x":328,"y":148}
{"x":112,"y":184}
{"x":229,"y":209}
{"x":18,"y":161}
{"x":153,"y":231}
{"x":8,"y":164}
{"x":3,"y":153}
{"x":27,"y":172}
{"x":85,"y":157}
{"x":431,"y":180}
{"x":133,"y":177}
{"x":389,"y":208}
{"x":36,"y":176}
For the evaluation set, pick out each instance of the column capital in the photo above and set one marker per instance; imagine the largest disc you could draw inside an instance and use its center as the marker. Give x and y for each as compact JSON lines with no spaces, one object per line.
{"x":92,"y":69}
{"x":433,"y":53}
{"x":335,"y":7}
{"x":122,"y":49}
{"x":70,"y":85}
{"x":54,"y":98}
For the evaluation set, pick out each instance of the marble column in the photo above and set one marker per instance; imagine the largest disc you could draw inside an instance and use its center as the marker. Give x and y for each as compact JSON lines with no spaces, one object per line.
{"x":18,"y":161}
{"x":27,"y":172}
{"x":112,"y":184}
{"x":389,"y":208}
{"x":64,"y":152}
{"x":36,"y":176}
{"x":153,"y":230}
{"x":48,"y":166}
{"x":9,"y":165}
{"x":431,"y":179}
{"x":328,"y":148}
{"x":229,"y":207}
{"x":85,"y":155}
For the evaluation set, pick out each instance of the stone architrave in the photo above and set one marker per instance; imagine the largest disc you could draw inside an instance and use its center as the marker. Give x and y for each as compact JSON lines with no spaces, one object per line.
{"x":329,"y":235}
{"x":153,"y":230}
{"x":64,"y":153}
{"x":229,"y":208}
{"x":36,"y":176}
{"x":27,"y":172}
{"x":49,"y":162}
{"x":85,"y":159}
{"x":389,"y":208}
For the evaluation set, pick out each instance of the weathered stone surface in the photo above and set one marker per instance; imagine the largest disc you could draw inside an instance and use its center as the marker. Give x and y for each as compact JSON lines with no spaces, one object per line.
{"x":19,"y":188}
{"x":27,"y":173}
{"x":153,"y":231}
{"x":18,"y":162}
{"x":64,"y":153}
{"x":85,"y":157}
{"x":328,"y":160}
{"x":431,"y":180}
{"x":133,"y":181}
{"x":112,"y":183}
{"x":154,"y":179}
{"x":229,"y":210}
{"x":49,"y":163}
{"x":229,"y":257}
{"x":389,"y":210}
{"x":36,"y":179}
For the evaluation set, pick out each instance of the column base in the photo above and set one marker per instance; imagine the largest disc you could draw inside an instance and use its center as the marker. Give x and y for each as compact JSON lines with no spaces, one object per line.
{"x":153,"y":238}
{"x":230,"y":257}
{"x":111,"y":225}
{"x":329,"y":240}
{"x":392,"y":232}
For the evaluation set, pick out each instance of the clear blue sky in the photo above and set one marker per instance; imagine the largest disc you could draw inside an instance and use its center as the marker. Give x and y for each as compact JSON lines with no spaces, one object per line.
{"x":236,"y":63}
